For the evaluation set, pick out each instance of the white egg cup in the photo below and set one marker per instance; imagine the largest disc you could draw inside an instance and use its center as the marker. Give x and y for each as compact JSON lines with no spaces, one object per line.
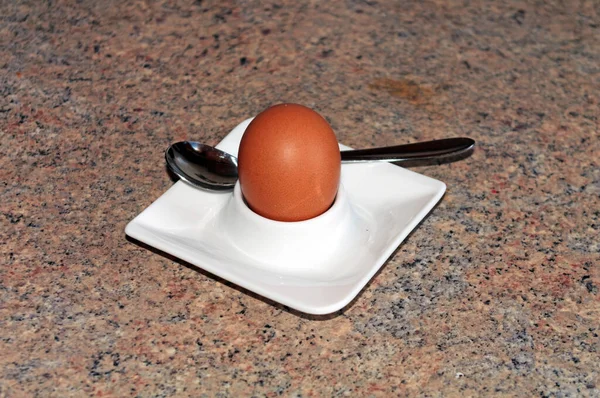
{"x":300,"y":248}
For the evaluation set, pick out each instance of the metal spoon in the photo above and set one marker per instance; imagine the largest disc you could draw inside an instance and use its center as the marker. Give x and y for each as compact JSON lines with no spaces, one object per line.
{"x":210,"y":168}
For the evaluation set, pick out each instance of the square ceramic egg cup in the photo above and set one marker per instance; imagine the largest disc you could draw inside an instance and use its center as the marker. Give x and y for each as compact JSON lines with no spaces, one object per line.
{"x":315,"y":266}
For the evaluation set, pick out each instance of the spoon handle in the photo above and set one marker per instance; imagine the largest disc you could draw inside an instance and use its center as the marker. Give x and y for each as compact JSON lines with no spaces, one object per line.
{"x":418,"y":154}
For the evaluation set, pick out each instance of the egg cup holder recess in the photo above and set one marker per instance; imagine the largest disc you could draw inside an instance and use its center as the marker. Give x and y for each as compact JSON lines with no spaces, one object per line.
{"x":315,"y":266}
{"x":301,"y":248}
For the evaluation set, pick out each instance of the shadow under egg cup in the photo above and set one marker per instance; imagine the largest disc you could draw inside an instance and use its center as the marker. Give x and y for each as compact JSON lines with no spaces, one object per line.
{"x":300,"y":248}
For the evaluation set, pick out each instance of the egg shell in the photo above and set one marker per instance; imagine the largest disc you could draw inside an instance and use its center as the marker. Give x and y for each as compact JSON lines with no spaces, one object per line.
{"x":289,"y":163}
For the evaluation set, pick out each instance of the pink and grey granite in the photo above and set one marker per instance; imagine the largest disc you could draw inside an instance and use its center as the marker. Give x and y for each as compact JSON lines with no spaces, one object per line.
{"x":496,"y":293}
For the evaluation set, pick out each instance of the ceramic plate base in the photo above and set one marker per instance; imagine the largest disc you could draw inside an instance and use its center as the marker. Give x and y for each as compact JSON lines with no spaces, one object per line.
{"x":316,"y":266}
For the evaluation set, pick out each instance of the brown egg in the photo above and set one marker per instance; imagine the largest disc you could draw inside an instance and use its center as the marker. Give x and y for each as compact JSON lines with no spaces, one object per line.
{"x":289,"y":163}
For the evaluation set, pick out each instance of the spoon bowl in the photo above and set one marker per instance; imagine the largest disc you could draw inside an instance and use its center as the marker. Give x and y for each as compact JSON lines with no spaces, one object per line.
{"x":202,"y":165}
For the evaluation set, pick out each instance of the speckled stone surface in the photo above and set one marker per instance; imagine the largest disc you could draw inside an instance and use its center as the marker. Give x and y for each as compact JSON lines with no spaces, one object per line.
{"x":496,"y":293}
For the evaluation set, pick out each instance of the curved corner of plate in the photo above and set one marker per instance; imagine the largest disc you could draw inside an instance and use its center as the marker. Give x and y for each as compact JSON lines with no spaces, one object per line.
{"x":132,"y":229}
{"x":443,"y":188}
{"x":330,"y":308}
{"x":128,"y":227}
{"x":231,"y":142}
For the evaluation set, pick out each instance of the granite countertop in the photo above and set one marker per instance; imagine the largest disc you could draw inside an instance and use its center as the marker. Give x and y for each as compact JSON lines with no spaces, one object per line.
{"x":497,"y":292}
